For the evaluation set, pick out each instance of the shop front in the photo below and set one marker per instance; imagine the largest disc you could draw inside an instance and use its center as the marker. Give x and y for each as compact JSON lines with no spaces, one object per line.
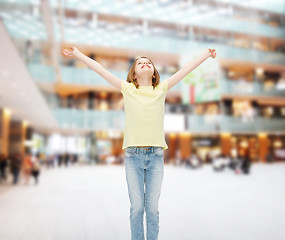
{"x":277,"y":147}
{"x":206,"y":146}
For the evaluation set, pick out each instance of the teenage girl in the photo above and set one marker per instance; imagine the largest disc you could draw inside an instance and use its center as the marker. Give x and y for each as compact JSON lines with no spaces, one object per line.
{"x":144,"y":141}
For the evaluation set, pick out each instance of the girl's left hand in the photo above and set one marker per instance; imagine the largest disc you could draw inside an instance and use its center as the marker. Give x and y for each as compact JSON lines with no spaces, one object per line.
{"x":212,"y":53}
{"x":69,"y":53}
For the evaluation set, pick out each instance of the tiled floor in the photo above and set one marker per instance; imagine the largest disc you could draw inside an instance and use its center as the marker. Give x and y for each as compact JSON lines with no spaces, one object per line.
{"x":91,"y":202}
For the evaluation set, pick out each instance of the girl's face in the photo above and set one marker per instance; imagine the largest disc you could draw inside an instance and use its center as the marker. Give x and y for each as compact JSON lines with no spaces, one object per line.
{"x":144,"y":67}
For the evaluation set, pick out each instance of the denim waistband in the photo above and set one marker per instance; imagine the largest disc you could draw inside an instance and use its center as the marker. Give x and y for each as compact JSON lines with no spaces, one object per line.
{"x":145,"y":149}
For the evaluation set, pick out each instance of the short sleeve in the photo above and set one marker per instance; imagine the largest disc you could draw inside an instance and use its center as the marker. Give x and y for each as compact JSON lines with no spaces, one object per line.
{"x":124,"y":86}
{"x":164,"y":86}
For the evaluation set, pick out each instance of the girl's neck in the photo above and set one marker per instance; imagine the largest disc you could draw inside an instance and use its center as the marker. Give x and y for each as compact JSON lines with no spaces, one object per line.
{"x":144,"y":82}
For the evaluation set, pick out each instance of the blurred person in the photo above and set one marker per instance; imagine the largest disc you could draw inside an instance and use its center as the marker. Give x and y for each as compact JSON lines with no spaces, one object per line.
{"x":71,"y":159}
{"x":66,"y":159}
{"x":121,"y":158}
{"x":238,"y":163}
{"x":42,"y":158}
{"x":183,"y":161}
{"x":245,"y":165}
{"x":187,"y":162}
{"x":178,"y":160}
{"x":15,"y":165}
{"x":27,"y":167}
{"x":227,"y":158}
{"x":50,"y":161}
{"x":144,"y":141}
{"x":219,"y":163}
{"x":60,"y":159}
{"x":199,"y":161}
{"x":29,"y":51}
{"x":233,"y":163}
{"x":192,"y":162}
{"x":3,"y":165}
{"x":209,"y":157}
{"x":75,"y":158}
{"x":36,"y":167}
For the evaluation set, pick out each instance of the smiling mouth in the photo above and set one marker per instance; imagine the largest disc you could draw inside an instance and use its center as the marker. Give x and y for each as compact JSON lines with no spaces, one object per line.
{"x":144,"y":66}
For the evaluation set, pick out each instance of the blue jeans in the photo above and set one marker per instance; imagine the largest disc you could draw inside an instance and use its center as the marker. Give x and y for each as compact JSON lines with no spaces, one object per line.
{"x":144,"y":168}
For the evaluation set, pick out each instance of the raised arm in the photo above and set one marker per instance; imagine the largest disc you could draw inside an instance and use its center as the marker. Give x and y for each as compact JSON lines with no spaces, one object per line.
{"x":190,"y":66}
{"x":95,"y":66}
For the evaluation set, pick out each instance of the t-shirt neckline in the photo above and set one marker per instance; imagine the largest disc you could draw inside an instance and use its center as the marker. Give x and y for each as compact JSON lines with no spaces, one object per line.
{"x":142,"y":86}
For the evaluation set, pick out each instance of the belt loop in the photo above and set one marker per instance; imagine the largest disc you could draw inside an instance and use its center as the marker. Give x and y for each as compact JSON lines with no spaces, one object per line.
{"x":136,"y":150}
{"x":152,"y":150}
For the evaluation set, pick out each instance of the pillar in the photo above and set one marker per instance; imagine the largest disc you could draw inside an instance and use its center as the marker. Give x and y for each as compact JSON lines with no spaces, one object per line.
{"x":263,"y":146}
{"x":17,"y":136}
{"x":172,"y":146}
{"x":225,"y":143}
{"x":5,"y":116}
{"x":185,"y":145}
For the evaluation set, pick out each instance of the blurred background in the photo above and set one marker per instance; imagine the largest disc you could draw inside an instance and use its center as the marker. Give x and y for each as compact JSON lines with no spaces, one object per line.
{"x":226,"y":115}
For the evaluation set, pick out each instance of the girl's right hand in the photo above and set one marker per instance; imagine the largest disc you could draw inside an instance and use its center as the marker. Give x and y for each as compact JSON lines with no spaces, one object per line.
{"x":69,"y":53}
{"x":213,"y":53}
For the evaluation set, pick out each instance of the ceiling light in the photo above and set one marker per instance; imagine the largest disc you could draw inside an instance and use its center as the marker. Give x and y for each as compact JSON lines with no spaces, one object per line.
{"x":259,"y":71}
{"x":7,"y":112}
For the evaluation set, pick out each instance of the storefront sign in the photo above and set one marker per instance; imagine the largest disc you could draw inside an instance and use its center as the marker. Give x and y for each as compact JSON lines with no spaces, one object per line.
{"x":202,"y":84}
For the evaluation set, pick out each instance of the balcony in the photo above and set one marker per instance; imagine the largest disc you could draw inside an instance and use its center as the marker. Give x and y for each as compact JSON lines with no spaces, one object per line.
{"x":249,"y":89}
{"x":114,"y":120}
{"x":81,"y":76}
{"x":89,"y":119}
{"x":71,"y":75}
{"x":216,"y":124}
{"x":172,"y":13}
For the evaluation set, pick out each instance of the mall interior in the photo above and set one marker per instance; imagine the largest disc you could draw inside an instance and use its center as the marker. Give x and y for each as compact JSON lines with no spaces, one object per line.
{"x":224,"y":123}
{"x":52,"y":104}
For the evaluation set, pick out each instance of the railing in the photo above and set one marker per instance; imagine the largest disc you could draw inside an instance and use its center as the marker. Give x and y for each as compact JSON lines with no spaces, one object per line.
{"x":114,"y":120}
{"x":42,"y":72}
{"x":83,"y":76}
{"x":72,"y":75}
{"x":216,"y":123}
{"x":249,"y":88}
{"x":89,"y":119}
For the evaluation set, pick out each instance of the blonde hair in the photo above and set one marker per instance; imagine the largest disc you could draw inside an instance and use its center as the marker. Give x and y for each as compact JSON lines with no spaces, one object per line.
{"x":131,"y":74}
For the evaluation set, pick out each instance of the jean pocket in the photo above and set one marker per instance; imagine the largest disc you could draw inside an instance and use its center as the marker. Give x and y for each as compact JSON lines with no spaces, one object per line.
{"x":129,"y":152}
{"x":158,"y":151}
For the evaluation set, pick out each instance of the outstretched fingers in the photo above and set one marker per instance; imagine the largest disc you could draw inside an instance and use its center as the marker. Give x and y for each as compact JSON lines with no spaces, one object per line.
{"x":213,"y":53}
{"x":66,"y":52}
